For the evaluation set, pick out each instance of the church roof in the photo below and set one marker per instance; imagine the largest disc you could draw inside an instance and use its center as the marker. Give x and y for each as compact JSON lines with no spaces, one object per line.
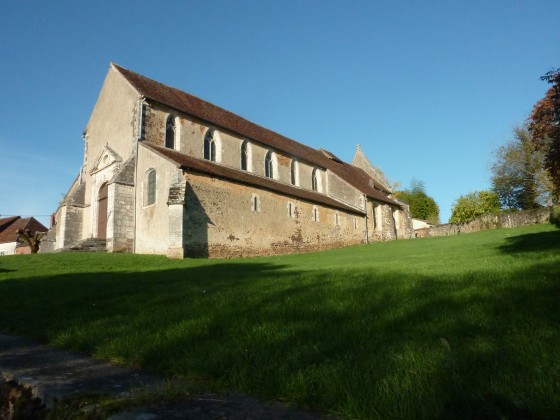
{"x":190,"y":163}
{"x":10,"y":225}
{"x":192,"y":105}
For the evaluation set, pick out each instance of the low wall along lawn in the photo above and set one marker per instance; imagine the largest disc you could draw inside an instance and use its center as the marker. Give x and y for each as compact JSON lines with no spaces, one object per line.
{"x":490,"y":221}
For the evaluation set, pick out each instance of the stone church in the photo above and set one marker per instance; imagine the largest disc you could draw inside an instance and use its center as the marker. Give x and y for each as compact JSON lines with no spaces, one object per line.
{"x":165,"y":172}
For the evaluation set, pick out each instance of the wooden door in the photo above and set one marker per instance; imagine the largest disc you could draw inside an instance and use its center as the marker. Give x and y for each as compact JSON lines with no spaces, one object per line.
{"x":102,"y":212}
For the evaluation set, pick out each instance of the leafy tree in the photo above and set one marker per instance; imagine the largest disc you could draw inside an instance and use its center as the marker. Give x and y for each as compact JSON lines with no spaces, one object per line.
{"x":544,"y":125}
{"x":473,"y":205}
{"x":518,"y":174}
{"x":422,"y":206}
{"x":33,"y":240}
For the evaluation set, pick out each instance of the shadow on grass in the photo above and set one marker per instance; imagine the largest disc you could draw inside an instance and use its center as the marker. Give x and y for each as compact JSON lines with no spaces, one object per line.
{"x":533,"y":242}
{"x":363,"y":344}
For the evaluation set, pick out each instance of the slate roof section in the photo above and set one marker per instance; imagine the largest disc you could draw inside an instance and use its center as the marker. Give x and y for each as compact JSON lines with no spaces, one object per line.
{"x":189,"y":163}
{"x":220,"y":117}
{"x":9,"y":227}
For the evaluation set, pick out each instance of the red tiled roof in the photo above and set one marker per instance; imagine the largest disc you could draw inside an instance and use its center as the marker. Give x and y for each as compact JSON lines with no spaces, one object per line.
{"x":206,"y":111}
{"x":8,"y":230}
{"x":190,"y":163}
{"x":6,"y":221}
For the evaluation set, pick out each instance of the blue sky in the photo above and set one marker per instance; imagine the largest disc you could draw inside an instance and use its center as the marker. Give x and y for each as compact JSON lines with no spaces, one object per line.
{"x":429,"y":89}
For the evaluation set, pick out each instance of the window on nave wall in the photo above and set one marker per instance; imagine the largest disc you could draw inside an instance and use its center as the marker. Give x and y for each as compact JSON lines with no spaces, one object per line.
{"x":269,"y":165}
{"x":149,"y":187}
{"x":209,"y":146}
{"x":294,"y":172}
{"x":244,"y":156}
{"x":170,"y":132}
{"x":291,"y":210}
{"x":314,"y":183}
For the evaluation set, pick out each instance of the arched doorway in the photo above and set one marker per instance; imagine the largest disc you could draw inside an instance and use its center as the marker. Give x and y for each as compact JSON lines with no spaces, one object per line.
{"x":102,"y":211}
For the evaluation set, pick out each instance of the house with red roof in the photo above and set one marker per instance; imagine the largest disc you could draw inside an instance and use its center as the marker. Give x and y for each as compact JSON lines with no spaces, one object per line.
{"x":9,"y":227}
{"x":165,"y":172}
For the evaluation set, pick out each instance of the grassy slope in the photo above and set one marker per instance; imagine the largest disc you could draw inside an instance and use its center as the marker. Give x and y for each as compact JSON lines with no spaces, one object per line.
{"x":438,"y":327}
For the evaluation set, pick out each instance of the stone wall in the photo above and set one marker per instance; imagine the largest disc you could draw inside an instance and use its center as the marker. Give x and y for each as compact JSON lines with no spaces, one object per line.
{"x":404,"y":228}
{"x":73,"y":225}
{"x":226,"y":219}
{"x":343,"y":191}
{"x":49,"y":242}
{"x":490,"y":221}
{"x":381,"y":226}
{"x":122,"y":239}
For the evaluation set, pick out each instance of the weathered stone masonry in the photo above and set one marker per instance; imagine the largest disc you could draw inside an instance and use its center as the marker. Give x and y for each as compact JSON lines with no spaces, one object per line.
{"x":220,"y":221}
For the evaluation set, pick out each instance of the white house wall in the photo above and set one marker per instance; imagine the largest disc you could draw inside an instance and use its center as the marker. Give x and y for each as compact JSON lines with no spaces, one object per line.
{"x":8,"y":248}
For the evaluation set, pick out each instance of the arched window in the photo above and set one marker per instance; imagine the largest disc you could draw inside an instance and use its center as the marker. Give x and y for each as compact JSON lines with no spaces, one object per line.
{"x":315,"y":214}
{"x":244,"y":156}
{"x":268,"y":165}
{"x":209,"y":146}
{"x":293,"y":168}
{"x":314,"y":184}
{"x":150,"y":187}
{"x":170,"y":132}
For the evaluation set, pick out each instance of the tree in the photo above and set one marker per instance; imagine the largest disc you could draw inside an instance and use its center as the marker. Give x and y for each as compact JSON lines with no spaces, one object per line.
{"x":473,"y":205}
{"x":518,"y":174}
{"x":544,"y":125}
{"x":422,"y":206}
{"x":33,"y":240}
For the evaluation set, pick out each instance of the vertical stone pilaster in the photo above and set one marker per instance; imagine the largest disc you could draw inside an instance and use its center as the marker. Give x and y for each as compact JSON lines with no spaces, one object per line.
{"x":176,"y":206}
{"x":110,"y":238}
{"x":61,"y":228}
{"x":122,"y":226}
{"x":388,"y":227}
{"x":175,"y":248}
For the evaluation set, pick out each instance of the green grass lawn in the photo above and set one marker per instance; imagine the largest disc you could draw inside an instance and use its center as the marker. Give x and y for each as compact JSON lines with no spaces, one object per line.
{"x":445,"y":327}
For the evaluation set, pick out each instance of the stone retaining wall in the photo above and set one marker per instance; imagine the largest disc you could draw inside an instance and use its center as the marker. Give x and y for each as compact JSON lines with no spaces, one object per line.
{"x":490,"y":221}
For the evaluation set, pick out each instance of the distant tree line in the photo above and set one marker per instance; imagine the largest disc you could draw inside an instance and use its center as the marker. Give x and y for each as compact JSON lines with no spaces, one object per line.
{"x":421,"y":205}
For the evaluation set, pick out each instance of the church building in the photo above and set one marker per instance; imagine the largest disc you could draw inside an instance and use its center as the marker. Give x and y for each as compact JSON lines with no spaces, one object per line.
{"x":165,"y":172}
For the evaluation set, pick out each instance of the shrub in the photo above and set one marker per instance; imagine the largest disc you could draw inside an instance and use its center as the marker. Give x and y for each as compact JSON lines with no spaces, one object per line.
{"x":555,"y":216}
